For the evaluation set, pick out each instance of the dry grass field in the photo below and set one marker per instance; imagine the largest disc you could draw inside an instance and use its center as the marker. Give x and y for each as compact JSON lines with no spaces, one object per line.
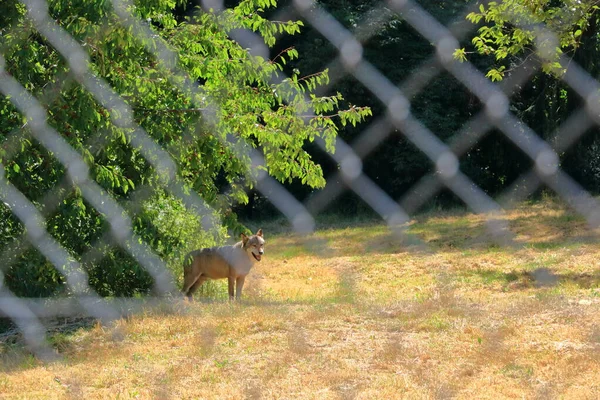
{"x":353,"y":312}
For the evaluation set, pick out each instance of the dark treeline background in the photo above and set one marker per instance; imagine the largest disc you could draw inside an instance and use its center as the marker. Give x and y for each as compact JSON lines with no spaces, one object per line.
{"x":444,"y":106}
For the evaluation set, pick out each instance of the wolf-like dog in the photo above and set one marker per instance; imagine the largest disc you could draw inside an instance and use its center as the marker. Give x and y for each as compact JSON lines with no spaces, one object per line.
{"x":232,"y":262}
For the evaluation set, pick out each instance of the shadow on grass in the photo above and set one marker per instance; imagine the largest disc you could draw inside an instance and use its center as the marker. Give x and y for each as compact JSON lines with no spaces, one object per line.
{"x":544,"y":231}
{"x":14,"y":353}
{"x":546,"y":227}
{"x":377,"y":239}
{"x":538,"y":278}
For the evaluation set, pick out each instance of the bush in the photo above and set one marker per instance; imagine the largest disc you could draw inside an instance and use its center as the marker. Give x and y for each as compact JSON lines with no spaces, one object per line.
{"x":163,"y":222}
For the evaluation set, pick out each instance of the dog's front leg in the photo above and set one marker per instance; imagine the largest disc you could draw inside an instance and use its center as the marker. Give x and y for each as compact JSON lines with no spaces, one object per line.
{"x":230,"y":282}
{"x":239,"y":284}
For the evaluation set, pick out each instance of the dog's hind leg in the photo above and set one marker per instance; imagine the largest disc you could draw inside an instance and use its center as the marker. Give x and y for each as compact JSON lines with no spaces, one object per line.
{"x":190,"y":276}
{"x":190,"y":273}
{"x":190,"y":292}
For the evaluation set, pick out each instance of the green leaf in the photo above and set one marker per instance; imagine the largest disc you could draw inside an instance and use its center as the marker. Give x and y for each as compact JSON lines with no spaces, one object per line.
{"x":460,"y":54}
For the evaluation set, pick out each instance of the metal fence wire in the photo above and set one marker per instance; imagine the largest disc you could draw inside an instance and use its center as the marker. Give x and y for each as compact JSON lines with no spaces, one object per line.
{"x":29,"y":314}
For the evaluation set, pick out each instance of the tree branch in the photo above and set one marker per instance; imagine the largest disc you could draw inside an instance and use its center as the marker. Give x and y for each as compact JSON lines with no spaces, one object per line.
{"x":169,"y":110}
{"x":280,"y":53}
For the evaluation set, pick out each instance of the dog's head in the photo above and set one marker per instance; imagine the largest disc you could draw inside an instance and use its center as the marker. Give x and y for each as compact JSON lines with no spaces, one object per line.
{"x":254,"y":244}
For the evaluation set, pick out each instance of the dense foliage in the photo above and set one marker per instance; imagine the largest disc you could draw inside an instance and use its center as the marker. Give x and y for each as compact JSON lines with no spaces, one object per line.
{"x":401,"y":54}
{"x":517,"y":28}
{"x":501,"y":39}
{"x":551,"y":35}
{"x":247,"y":100}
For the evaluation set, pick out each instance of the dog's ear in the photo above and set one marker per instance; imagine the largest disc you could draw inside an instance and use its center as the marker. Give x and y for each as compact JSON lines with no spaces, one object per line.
{"x":244,"y":239}
{"x":259,"y":233}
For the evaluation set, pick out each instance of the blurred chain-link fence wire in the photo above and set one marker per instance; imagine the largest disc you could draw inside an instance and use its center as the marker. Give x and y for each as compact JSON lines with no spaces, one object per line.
{"x":29,"y":314}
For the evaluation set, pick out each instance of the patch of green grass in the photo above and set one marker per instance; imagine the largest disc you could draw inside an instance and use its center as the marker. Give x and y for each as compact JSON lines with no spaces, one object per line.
{"x":517,"y":371}
{"x":550,"y":245}
{"x":346,"y":289}
{"x":453,"y":231}
{"x":15,"y":356}
{"x":491,"y":276}
{"x":569,"y":218}
{"x":574,"y":281}
{"x":436,"y":322}
{"x":210,"y":377}
{"x":421,"y":297}
{"x":486,"y":249}
{"x":549,"y":294}
{"x":29,"y":361}
{"x":291,"y":252}
{"x":222,"y":363}
{"x":4,"y":383}
{"x":60,"y":341}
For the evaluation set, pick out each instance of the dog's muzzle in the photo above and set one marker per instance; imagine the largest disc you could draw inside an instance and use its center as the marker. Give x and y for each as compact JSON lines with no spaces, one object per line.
{"x":257,"y":257}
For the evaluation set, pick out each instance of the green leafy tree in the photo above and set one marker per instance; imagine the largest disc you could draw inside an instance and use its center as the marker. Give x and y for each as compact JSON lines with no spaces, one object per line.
{"x":398,"y":51}
{"x":547,"y":29}
{"x":248,"y":95}
{"x":553,"y":34}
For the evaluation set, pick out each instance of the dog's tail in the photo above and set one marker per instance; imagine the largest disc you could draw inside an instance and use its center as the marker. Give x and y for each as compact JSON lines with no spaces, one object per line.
{"x":188,"y":260}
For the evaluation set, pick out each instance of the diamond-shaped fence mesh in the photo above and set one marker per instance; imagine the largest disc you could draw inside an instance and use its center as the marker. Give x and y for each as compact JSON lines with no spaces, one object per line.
{"x":28,"y":314}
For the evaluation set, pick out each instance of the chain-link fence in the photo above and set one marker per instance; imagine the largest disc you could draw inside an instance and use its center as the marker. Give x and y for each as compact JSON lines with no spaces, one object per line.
{"x":28,"y":314}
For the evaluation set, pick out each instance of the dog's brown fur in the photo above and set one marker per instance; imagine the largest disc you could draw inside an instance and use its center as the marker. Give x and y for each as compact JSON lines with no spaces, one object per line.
{"x":232,"y":262}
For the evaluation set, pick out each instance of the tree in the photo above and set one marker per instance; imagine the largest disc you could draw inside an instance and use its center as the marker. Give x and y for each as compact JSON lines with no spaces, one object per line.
{"x":249,"y":96}
{"x":553,"y":34}
{"x":398,"y":51}
{"x":519,"y":29}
